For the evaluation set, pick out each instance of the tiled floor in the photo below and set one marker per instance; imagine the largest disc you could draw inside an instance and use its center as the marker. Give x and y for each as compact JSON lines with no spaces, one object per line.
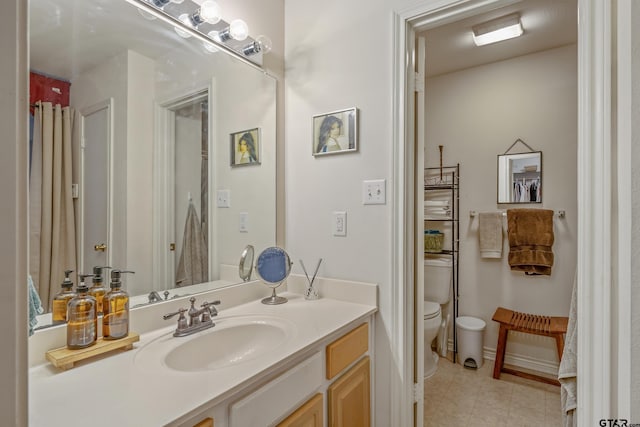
{"x":455,"y":396}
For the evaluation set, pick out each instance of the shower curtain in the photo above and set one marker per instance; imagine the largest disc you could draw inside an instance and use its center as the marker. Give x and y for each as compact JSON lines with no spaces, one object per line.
{"x":51,"y":216}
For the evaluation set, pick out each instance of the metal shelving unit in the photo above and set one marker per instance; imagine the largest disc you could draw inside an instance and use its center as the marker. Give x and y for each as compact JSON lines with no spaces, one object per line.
{"x":441,"y":181}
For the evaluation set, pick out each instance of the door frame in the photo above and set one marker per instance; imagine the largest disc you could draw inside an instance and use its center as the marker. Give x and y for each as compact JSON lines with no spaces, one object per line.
{"x":164,"y":183}
{"x":596,"y":264}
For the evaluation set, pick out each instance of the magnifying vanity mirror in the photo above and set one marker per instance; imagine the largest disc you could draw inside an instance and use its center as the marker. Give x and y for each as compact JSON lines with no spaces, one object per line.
{"x":520,"y":178}
{"x":273,"y":267}
{"x":246,"y":263}
{"x":154,"y":190}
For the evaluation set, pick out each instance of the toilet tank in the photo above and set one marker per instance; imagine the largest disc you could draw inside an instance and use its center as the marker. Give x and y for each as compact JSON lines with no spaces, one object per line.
{"x":438,"y":277}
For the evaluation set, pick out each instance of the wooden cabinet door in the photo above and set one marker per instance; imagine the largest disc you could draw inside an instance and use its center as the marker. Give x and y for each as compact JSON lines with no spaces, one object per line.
{"x":349,"y":398}
{"x":308,"y":415}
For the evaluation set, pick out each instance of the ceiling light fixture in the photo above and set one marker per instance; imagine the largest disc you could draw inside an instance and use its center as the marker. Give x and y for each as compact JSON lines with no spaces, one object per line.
{"x":496,"y":30}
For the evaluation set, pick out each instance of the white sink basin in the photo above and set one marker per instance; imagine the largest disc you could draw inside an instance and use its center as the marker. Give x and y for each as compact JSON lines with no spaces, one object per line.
{"x":231,"y":341}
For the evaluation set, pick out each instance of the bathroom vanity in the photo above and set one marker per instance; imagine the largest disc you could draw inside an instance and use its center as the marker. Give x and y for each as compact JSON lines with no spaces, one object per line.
{"x":260,"y":365}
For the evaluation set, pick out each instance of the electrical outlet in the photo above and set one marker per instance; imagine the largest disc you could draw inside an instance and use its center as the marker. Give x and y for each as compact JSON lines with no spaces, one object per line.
{"x":339,"y":223}
{"x":244,"y":222}
{"x":223,"y":198}
{"x":374,"y":192}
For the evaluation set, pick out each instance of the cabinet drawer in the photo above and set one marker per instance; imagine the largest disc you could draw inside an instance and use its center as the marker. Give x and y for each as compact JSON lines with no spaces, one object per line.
{"x":346,"y":350}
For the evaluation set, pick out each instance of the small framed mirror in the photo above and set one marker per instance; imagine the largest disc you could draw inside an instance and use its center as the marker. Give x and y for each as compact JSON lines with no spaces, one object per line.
{"x":246,"y":263}
{"x":520,"y":178}
{"x":273,"y":267}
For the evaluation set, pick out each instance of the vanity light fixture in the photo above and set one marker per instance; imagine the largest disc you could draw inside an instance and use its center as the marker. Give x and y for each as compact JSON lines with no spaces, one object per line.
{"x":206,"y":25}
{"x":499,"y":29}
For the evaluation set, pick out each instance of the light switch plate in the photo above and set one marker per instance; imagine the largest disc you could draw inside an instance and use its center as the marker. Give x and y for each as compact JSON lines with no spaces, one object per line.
{"x":223,"y":198}
{"x":374,"y":192}
{"x":244,"y":222}
{"x":339,"y":224}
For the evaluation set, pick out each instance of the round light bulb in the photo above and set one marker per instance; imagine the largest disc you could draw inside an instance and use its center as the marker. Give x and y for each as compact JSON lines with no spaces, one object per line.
{"x":210,"y":47}
{"x":184,"y":18}
{"x":146,"y":15}
{"x":215,"y":36}
{"x":265,"y":44}
{"x":210,"y":11}
{"x":238,"y":29}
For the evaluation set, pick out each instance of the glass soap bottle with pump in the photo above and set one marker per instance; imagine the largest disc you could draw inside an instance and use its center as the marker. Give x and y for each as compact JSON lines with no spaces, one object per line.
{"x":60,"y":301}
{"x":82,"y":317}
{"x":97,"y":290}
{"x":115,"y":319}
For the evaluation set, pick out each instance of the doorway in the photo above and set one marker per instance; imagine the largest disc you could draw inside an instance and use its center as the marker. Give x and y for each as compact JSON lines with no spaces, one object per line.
{"x":595,"y":174}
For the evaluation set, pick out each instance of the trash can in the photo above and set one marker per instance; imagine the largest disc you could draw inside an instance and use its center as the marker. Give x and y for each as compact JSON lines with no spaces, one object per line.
{"x":470,"y":341}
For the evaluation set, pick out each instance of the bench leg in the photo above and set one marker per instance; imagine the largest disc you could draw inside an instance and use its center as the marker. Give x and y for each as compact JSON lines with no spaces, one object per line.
{"x":502,"y":346}
{"x":560,"y":345}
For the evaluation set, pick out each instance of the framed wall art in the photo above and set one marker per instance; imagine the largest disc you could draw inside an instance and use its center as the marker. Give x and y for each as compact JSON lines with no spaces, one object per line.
{"x":245,"y":147}
{"x":335,"y":132}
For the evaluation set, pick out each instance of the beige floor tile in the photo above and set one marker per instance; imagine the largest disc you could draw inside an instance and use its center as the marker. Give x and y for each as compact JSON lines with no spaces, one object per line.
{"x":455,"y":396}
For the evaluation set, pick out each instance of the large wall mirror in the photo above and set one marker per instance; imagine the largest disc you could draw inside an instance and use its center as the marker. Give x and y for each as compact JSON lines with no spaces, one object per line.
{"x":520,"y":178}
{"x":151,"y":187}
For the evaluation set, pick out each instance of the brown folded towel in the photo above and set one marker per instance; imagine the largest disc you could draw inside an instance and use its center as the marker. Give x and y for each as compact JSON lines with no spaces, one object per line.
{"x":530,"y":234}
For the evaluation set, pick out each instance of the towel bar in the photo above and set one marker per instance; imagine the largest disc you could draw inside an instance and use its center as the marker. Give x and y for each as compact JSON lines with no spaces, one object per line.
{"x":561,"y":213}
{"x":553,"y":327}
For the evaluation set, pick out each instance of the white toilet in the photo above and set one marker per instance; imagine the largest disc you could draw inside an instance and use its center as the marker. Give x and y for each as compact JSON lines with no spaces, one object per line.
{"x":438,"y":276}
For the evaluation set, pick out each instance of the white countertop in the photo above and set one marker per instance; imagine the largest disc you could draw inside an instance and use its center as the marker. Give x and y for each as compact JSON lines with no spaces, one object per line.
{"x":117,"y":390}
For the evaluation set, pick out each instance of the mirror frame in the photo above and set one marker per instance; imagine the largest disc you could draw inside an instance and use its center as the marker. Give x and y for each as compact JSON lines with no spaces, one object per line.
{"x":509,"y":177}
{"x":245,"y":267}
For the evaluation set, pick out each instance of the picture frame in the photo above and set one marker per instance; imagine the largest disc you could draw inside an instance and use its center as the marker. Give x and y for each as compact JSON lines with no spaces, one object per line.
{"x":246,"y":147}
{"x":335,"y":132}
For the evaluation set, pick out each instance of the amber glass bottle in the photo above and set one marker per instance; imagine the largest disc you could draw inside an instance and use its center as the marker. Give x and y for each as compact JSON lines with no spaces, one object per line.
{"x":82,"y":318}
{"x":115,"y":319}
{"x":60,"y":301}
{"x":97,"y":290}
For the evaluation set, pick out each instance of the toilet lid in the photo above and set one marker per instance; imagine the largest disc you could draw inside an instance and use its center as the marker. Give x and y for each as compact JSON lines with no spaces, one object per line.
{"x":431,"y":309}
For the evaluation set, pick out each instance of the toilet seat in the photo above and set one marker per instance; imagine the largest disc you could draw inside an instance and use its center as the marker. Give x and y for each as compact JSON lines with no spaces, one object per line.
{"x":431,"y":310}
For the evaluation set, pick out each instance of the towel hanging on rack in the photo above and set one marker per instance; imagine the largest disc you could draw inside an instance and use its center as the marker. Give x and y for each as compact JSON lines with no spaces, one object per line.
{"x":531,"y":236}
{"x":490,"y":234}
{"x":194,"y":260}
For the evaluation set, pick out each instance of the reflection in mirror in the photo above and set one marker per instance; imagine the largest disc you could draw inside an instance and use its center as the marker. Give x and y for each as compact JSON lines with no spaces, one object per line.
{"x":273,"y":267}
{"x":520,"y":178}
{"x":246,"y":263}
{"x":154,"y":112}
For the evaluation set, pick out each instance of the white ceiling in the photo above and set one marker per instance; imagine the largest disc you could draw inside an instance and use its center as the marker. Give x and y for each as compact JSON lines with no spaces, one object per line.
{"x":547,"y":24}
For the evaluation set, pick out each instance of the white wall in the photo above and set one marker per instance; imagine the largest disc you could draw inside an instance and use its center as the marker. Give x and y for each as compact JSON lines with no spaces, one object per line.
{"x":13,"y":228}
{"x":339,"y":55}
{"x":139,"y":173}
{"x":635,"y":242}
{"x":477,"y":114}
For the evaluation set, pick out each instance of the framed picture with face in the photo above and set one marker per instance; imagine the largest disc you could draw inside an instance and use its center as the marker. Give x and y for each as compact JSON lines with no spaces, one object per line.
{"x":335,"y":132}
{"x":245,"y":147}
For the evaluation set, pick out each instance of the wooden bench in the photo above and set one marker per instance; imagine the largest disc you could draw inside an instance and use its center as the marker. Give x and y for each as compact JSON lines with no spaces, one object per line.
{"x":554,"y":327}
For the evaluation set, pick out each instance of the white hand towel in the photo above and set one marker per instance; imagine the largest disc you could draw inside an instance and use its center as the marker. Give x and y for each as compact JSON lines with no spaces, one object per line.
{"x":568,"y":370}
{"x":490,"y":234}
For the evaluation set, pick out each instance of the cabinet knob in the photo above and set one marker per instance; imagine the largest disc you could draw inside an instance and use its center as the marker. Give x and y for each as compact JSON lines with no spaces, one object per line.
{"x":100,"y":247}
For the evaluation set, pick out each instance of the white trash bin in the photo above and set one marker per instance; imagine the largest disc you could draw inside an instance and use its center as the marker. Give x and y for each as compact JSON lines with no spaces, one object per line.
{"x":470,"y":341}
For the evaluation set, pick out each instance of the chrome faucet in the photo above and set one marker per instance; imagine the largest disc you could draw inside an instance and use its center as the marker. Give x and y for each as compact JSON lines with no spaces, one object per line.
{"x":199,"y":319}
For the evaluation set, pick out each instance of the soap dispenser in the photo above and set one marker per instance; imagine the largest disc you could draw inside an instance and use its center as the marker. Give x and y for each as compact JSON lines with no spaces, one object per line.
{"x":115,"y":319}
{"x":97,"y":290}
{"x":82,"y":317}
{"x":60,"y":301}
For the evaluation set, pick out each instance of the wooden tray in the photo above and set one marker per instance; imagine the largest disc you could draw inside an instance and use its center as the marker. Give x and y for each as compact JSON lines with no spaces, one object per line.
{"x":65,"y":358}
